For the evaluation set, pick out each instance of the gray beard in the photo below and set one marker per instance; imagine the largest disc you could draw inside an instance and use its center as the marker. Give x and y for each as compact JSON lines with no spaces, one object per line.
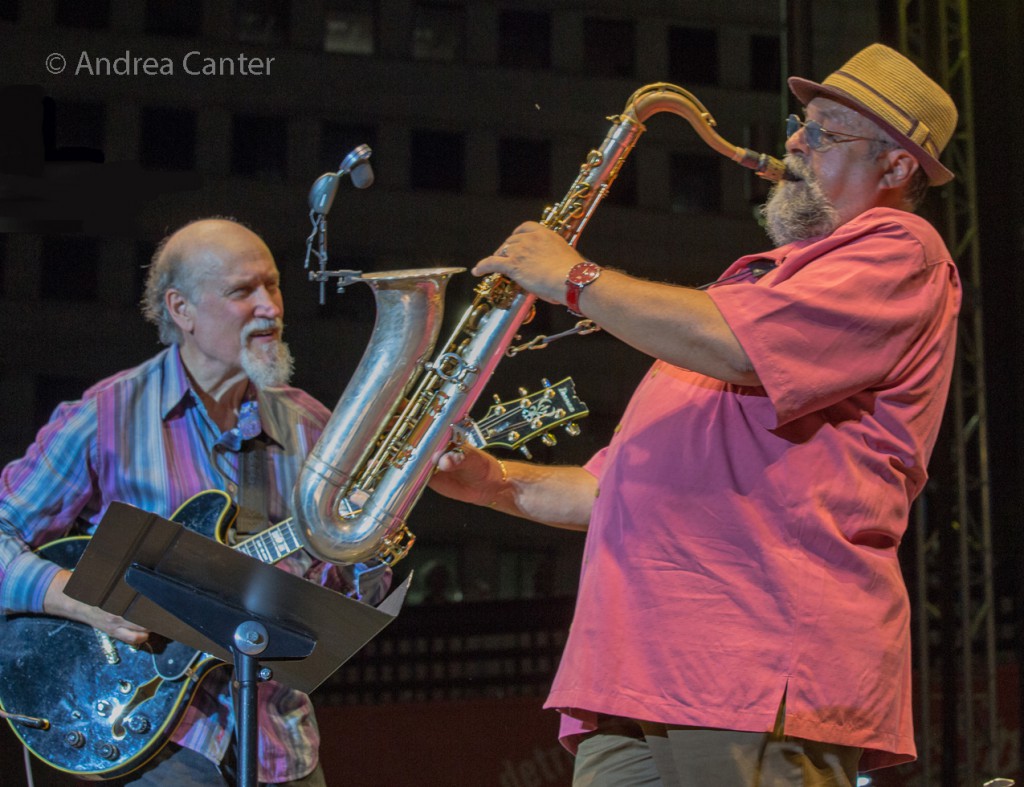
{"x":268,"y":367}
{"x":798,"y":210}
{"x":269,"y":370}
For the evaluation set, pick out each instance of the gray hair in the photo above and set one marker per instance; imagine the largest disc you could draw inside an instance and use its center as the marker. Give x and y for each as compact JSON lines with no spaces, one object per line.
{"x":169,"y":270}
{"x":917,"y":187}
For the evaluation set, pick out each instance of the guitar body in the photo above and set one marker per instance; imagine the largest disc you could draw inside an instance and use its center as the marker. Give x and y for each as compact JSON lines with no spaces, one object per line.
{"x":109,"y":707}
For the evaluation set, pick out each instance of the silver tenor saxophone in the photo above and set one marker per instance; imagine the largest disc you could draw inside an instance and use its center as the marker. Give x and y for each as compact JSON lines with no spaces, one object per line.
{"x":382,"y":443}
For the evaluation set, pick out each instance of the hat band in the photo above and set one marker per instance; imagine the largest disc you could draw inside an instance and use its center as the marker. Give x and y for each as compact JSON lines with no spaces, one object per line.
{"x":913,"y":129}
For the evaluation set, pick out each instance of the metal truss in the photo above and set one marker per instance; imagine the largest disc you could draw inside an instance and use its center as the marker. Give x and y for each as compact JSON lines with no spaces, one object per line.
{"x":956,"y":625}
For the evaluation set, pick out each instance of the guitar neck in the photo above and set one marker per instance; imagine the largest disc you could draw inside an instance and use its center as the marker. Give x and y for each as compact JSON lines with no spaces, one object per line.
{"x":505,"y":425}
{"x":273,"y":544}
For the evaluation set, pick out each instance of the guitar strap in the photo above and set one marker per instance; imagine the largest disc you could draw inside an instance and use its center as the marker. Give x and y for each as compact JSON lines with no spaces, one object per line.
{"x":252,"y":488}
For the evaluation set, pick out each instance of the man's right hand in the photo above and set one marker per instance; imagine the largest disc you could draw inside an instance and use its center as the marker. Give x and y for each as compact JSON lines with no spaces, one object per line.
{"x":469,"y":475}
{"x":58,"y":603}
{"x":558,"y":496}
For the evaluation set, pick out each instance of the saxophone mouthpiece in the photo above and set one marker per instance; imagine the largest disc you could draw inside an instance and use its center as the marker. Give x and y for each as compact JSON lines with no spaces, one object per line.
{"x":765,"y":166}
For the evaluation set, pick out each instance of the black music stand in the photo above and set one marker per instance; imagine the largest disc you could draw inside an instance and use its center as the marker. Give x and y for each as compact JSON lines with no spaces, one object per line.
{"x":186,"y":587}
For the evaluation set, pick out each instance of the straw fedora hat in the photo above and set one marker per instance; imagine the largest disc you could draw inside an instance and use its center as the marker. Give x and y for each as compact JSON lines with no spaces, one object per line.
{"x":884,"y":86}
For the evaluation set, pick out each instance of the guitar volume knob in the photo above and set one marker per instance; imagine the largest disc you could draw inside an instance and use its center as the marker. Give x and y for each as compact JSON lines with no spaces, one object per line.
{"x":108,"y":751}
{"x":137,"y":724}
{"x":75,"y":739}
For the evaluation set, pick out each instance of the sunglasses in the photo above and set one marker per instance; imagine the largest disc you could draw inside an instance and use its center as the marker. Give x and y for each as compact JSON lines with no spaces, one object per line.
{"x":817,"y":136}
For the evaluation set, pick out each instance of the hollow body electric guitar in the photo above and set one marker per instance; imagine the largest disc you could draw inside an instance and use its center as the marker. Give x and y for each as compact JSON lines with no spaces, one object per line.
{"x":112,"y":707}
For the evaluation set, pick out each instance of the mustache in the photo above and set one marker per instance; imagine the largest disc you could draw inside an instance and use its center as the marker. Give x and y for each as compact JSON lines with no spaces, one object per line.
{"x":262,"y":324}
{"x":798,"y":169}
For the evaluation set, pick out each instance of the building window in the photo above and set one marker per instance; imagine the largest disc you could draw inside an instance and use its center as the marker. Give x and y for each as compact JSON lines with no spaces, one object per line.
{"x":337,"y":140}
{"x":72,"y":268}
{"x":436,"y":576}
{"x":350,"y":28}
{"x":525,"y":574}
{"x":168,"y":138}
{"x":695,"y":183}
{"x":524,"y":39}
{"x":439,"y":32}
{"x":259,"y":146}
{"x":173,"y":19}
{"x":765,"y":63}
{"x":438,"y":160}
{"x":262,"y":21}
{"x":10,"y":10}
{"x":86,"y":14}
{"x":524,"y":168}
{"x":75,"y":125}
{"x":609,"y":48}
{"x":692,"y":56}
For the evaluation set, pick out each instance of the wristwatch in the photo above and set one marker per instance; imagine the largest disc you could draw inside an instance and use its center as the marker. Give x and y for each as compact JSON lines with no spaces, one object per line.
{"x":580,"y":275}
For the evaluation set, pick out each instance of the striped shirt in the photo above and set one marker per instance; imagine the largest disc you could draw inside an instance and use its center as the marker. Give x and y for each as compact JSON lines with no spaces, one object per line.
{"x":143,"y":437}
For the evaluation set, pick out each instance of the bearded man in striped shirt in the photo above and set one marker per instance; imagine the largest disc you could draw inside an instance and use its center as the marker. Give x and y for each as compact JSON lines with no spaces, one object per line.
{"x":158,"y":434}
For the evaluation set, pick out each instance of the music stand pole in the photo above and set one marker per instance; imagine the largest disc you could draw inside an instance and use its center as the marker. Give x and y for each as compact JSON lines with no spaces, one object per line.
{"x":249,"y":637}
{"x":250,"y":640}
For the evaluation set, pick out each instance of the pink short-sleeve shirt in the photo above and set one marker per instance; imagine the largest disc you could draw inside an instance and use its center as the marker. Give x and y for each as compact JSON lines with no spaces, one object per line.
{"x":743,"y":544}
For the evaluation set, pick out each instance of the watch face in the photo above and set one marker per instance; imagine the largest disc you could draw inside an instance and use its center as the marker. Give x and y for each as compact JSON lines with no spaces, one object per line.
{"x":583,"y":273}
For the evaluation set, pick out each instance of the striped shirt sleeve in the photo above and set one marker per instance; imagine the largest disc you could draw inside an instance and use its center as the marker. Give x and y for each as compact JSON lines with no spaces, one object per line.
{"x":41,"y":494}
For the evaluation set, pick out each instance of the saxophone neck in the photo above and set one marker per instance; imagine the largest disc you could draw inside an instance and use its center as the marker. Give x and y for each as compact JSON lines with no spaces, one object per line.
{"x":665,"y":97}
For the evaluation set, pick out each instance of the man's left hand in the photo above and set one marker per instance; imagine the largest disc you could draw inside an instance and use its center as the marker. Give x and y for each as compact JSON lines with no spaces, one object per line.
{"x":535,"y":258}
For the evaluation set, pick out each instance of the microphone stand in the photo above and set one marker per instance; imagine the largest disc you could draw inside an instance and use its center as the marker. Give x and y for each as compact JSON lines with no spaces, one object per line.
{"x":321,"y":196}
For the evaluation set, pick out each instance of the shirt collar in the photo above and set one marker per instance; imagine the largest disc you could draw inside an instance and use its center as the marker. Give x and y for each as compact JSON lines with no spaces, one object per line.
{"x":258,"y":413}
{"x":175,"y":392}
{"x":273,"y":416}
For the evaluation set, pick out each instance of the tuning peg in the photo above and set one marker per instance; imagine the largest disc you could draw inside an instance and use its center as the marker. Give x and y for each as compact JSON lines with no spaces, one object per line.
{"x":523,"y":391}
{"x":549,"y":440}
{"x":545,"y":382}
{"x":525,"y":452}
{"x":573,"y":430}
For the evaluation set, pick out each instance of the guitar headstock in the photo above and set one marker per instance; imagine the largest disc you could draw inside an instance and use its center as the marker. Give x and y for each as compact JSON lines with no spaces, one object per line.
{"x":516,"y":422}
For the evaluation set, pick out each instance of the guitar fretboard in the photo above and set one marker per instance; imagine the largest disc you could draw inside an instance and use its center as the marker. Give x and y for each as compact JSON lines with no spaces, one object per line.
{"x":273,"y":544}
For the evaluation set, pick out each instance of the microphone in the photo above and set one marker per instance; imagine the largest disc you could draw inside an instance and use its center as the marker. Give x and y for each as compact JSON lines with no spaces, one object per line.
{"x":322,"y":194}
{"x":356,"y":165}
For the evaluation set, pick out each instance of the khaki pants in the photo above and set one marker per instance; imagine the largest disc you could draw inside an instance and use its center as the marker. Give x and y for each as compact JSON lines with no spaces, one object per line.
{"x":642,"y":754}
